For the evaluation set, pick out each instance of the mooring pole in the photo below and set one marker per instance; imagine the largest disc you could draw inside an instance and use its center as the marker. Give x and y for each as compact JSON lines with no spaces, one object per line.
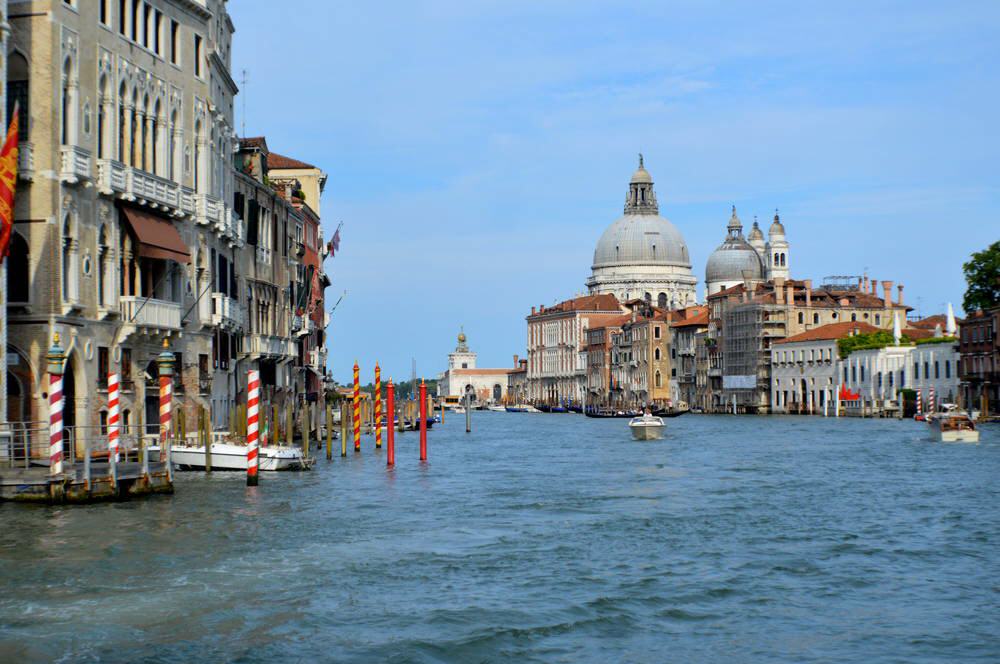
{"x":378,"y":407}
{"x":329,"y":432}
{"x":468,"y":413}
{"x":253,"y":405}
{"x":423,"y":421}
{"x":344,"y":418}
{"x":390,"y":433}
{"x":55,"y":359}
{"x":165,"y":364}
{"x":356,"y":415}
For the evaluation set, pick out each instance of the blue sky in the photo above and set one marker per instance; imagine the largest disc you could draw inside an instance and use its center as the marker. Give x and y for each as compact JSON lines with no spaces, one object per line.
{"x":477,"y":150}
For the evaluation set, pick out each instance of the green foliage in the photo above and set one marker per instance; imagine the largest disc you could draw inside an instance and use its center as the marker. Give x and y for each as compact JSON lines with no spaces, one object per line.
{"x":879,"y":339}
{"x":936,"y":340}
{"x":982,"y":274}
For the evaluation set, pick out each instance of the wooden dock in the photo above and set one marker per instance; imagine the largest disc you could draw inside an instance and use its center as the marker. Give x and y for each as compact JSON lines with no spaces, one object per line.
{"x":80,"y":484}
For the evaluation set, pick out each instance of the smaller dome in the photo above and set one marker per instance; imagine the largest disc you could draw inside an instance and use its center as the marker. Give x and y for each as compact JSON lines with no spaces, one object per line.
{"x":755,"y":232}
{"x":733,"y":261}
{"x":776,"y":226}
{"x":641,"y":175}
{"x":461,"y":337}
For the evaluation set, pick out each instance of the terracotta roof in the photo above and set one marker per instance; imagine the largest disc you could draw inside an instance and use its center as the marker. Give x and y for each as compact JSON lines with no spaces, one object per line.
{"x":603,"y":302}
{"x":930,"y":322}
{"x":253,"y":142}
{"x":279,"y":161}
{"x":700,"y":319}
{"x":918,"y":333}
{"x":831,"y":331}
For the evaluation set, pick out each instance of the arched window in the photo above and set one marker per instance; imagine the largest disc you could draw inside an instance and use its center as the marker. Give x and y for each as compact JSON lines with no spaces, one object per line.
{"x":70,"y":272}
{"x":172,"y":155}
{"x":17,"y":91}
{"x":782,"y":260}
{"x":103,"y":268}
{"x":198,"y":149}
{"x":157,"y":138}
{"x":102,"y":118}
{"x":134,"y":131}
{"x":661,"y":300}
{"x":122,"y":138}
{"x":17,"y":270}
{"x":146,"y":119}
{"x":777,"y":259}
{"x":659,"y":381}
{"x":854,"y":316}
{"x":65,"y":128}
{"x":656,"y":354}
{"x":647,"y":297}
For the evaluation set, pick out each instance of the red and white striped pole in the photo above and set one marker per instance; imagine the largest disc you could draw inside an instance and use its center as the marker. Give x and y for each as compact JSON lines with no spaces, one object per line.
{"x":423,"y":420}
{"x":378,"y":407}
{"x":114,"y":421}
{"x":253,"y":409}
{"x":357,"y":409}
{"x":55,"y":359}
{"x":390,"y":433}
{"x":931,"y":402}
{"x":920,"y":398}
{"x":165,"y":362}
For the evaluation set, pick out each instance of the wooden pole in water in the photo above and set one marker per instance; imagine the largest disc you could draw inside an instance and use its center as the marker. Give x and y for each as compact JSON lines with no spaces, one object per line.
{"x":305,"y":429}
{"x":357,"y":410}
{"x":329,"y":432}
{"x":205,"y":438}
{"x":468,"y":414}
{"x":378,"y":406}
{"x":344,"y":419}
{"x":390,"y":402}
{"x":442,"y":410}
{"x":423,"y":421}
{"x":253,"y":405}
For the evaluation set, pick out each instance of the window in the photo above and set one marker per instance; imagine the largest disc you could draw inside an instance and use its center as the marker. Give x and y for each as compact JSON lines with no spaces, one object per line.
{"x":133,"y":23}
{"x":947,"y":368}
{"x":854,"y":317}
{"x":937,"y":369}
{"x":862,"y":374}
{"x":157,"y":32}
{"x":815,"y":319}
{"x":802,"y":318}
{"x":17,"y":91}
{"x":126,"y":381}
{"x":656,"y":354}
{"x":659,"y":380}
{"x":105,"y":12}
{"x":927,"y":369}
{"x":878,"y":319}
{"x":656,"y":332}
{"x":198,"y":55}
{"x":18,"y":269}
{"x":175,"y":43}
{"x":102,"y":367}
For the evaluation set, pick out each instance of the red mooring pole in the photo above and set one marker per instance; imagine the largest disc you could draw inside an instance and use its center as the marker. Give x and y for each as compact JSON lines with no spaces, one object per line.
{"x":423,"y":420}
{"x":390,"y":430}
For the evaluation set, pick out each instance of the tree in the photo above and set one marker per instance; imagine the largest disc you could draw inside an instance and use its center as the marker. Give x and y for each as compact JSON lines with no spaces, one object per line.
{"x":982,"y":274}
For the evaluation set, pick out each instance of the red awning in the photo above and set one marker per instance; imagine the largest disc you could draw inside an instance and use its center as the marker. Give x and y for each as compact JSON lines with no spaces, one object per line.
{"x":156,"y":235}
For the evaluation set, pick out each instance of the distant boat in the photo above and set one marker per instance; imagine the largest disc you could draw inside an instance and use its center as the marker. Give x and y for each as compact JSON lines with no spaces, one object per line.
{"x":516,"y":409}
{"x":497,"y":409}
{"x":953,"y":426}
{"x":558,"y":409}
{"x":646,"y":427}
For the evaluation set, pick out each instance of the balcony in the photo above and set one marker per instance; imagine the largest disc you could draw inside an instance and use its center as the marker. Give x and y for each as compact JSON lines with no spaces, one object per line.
{"x":231,"y":227}
{"x":226,"y":312}
{"x":269,"y":346}
{"x":208,"y":210}
{"x":26,"y":161}
{"x":133,"y":184}
{"x":143,"y":312}
{"x":74,"y":164}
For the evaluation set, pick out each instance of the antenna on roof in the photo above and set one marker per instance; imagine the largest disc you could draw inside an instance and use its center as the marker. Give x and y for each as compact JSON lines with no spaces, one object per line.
{"x":243,"y":89}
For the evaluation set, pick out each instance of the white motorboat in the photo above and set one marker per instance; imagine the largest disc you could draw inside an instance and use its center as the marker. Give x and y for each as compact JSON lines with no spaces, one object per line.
{"x":646,"y":427}
{"x":497,"y":409}
{"x":953,"y":425}
{"x":458,"y":409}
{"x":227,"y":456}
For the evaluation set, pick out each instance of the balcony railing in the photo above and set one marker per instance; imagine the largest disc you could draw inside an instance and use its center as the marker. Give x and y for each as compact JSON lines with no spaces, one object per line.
{"x":265,"y":344}
{"x":226,"y":312}
{"x":140,"y":311}
{"x":135,"y":184}
{"x":207,"y":209}
{"x":74,"y":165}
{"x":263,"y":255}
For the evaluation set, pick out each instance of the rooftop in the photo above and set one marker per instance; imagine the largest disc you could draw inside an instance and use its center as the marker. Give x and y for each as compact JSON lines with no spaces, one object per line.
{"x":279,"y":161}
{"x":831,"y":332}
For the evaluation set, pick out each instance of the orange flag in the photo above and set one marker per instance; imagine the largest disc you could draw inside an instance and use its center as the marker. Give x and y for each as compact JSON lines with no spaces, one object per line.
{"x":8,"y":180}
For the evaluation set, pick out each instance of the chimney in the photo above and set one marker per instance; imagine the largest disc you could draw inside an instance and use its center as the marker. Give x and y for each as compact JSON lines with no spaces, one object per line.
{"x":515,"y":361}
{"x":541,"y":308}
{"x":865,"y":289}
{"x":887,"y":294}
{"x":899,"y":289}
{"x":874,"y":287}
{"x":809,"y":291}
{"x":860,"y":283}
{"x":779,"y":290}
{"x":533,"y":311}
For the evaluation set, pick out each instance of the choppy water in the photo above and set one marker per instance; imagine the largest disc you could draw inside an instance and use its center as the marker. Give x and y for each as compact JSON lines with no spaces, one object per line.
{"x":537,"y":538}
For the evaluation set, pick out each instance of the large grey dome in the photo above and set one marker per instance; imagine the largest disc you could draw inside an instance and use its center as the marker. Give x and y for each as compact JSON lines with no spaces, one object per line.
{"x":641,"y":239}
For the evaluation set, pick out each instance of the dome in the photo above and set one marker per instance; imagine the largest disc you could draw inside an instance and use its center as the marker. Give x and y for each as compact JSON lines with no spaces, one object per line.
{"x":735,"y":259}
{"x":777,"y":228}
{"x":755,"y":233}
{"x":641,"y":175}
{"x":641,"y":239}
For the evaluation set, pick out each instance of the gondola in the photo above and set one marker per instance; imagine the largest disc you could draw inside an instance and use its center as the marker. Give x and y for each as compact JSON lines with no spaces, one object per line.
{"x":669,"y":413}
{"x":609,"y":413}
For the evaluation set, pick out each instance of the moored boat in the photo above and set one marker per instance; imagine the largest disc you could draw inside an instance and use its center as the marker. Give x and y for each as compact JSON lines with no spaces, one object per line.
{"x":953,"y":426}
{"x":228,"y":456}
{"x":497,"y":409}
{"x":646,"y":427}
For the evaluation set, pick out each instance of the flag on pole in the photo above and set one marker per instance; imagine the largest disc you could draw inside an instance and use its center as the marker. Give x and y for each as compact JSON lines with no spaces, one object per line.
{"x":334,"y":246}
{"x":8,"y":180}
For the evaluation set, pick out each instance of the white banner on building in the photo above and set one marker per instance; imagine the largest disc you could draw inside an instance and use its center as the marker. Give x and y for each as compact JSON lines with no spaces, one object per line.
{"x":739,"y":382}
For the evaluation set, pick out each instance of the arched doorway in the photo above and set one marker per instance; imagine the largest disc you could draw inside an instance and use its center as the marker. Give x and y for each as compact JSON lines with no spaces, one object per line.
{"x":497,"y":393}
{"x":69,"y":406}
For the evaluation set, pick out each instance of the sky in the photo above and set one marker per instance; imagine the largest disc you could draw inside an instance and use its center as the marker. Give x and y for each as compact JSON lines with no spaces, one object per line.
{"x":477,"y":150}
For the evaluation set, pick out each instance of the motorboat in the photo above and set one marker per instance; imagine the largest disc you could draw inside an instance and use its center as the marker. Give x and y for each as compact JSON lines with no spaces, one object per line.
{"x":497,"y":409}
{"x":228,"y":456}
{"x":646,"y":427}
{"x":516,"y":409}
{"x":953,"y":425}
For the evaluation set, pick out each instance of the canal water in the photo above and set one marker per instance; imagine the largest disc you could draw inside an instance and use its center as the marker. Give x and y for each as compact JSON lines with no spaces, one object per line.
{"x":550,"y":538}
